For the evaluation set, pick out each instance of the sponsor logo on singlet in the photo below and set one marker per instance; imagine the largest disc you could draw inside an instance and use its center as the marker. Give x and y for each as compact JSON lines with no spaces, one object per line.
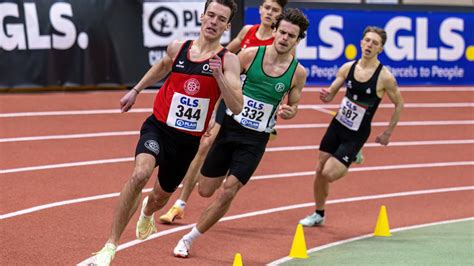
{"x":180,"y":64}
{"x":192,"y":86}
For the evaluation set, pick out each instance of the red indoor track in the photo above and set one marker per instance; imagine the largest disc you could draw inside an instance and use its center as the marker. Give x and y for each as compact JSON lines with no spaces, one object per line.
{"x":42,"y":162}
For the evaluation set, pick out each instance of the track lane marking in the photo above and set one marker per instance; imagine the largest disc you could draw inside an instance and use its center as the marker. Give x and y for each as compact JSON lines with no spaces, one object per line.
{"x":149,"y":110}
{"x":269,"y":149}
{"x":393,"y":230}
{"x":259,"y":177}
{"x":286,"y":208}
{"x":287,"y":126}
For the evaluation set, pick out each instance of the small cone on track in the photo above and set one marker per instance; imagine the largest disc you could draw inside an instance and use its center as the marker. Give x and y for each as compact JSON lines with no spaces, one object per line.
{"x":298,"y":248}
{"x":237,"y":260}
{"x":382,"y":228}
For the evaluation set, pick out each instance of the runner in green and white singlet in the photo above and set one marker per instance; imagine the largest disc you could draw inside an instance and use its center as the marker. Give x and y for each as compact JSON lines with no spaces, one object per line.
{"x":263,"y":94}
{"x":272,"y":73}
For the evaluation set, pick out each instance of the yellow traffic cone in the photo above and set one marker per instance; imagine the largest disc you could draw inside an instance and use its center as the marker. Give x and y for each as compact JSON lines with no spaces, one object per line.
{"x":237,"y":260}
{"x":382,"y":228}
{"x":298,"y":248}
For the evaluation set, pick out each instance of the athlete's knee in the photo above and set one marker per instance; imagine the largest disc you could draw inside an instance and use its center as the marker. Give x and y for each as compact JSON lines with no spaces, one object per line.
{"x":205,"y":191}
{"x":140,"y":177}
{"x":227,"y":195}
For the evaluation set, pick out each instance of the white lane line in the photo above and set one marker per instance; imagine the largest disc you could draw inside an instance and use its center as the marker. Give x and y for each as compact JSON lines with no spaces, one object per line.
{"x":290,"y":207}
{"x":389,"y":105}
{"x":72,"y":136}
{"x":400,"y":229}
{"x":260,"y":177}
{"x":410,"y":89}
{"x":149,"y":110}
{"x":269,"y":149}
{"x":288,"y":126}
{"x":383,"y":124}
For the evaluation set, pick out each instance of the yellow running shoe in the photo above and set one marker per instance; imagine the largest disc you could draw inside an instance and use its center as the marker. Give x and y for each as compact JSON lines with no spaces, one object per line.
{"x":145,"y":226}
{"x":174,"y":213}
{"x":105,"y":255}
{"x":273,"y":134}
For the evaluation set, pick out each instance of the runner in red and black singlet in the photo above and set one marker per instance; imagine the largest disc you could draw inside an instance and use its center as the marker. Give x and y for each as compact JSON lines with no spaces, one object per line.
{"x":187,"y":99}
{"x":199,"y":73}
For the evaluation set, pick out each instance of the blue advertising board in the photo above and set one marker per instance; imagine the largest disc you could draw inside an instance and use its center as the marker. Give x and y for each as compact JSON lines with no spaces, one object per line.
{"x":422,"y":48}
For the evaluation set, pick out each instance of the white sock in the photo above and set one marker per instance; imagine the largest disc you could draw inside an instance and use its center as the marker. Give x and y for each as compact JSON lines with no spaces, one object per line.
{"x":180,"y":203}
{"x":193,"y":234}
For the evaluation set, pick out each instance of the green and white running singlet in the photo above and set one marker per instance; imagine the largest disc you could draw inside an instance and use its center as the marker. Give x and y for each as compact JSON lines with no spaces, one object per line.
{"x":263,"y":94}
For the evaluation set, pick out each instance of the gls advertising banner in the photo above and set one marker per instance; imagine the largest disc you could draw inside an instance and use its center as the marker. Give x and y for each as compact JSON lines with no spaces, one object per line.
{"x":422,"y":47}
{"x":89,"y":42}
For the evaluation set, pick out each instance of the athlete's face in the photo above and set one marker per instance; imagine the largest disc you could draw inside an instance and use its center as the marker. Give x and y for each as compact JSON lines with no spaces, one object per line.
{"x":371,"y":45}
{"x":286,"y":37}
{"x":269,"y":10}
{"x":215,"y":20}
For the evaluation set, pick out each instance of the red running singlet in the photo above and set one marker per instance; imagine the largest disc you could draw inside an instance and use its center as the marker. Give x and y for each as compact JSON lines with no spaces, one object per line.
{"x":251,"y":39}
{"x":187,"y":99}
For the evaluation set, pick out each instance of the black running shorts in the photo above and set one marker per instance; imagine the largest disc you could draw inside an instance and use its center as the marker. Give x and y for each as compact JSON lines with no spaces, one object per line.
{"x":173,"y":150}
{"x":236,"y":151}
{"x":343,"y":143}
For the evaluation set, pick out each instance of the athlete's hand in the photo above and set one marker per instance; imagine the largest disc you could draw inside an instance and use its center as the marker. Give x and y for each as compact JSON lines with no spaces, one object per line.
{"x":286,"y":111}
{"x":325,"y":96}
{"x":215,"y":64}
{"x":128,"y":100}
{"x":383,"y":139}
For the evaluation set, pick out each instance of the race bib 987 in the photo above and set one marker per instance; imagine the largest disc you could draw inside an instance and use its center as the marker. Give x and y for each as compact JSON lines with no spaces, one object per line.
{"x":350,"y":114}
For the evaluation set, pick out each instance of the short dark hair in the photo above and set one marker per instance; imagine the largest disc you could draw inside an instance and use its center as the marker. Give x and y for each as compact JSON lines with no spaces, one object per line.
{"x":381,"y":32}
{"x":228,"y":3}
{"x":281,"y":3}
{"x":294,"y":16}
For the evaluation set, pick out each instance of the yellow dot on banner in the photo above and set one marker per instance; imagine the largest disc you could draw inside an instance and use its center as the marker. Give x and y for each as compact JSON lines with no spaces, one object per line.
{"x":351,"y":51}
{"x":470,"y":53}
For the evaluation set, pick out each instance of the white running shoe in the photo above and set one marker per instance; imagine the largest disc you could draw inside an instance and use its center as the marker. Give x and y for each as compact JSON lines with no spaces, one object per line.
{"x":312,"y":220}
{"x":182,"y":248}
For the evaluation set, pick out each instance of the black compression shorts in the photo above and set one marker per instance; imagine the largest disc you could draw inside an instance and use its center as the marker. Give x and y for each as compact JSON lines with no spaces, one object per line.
{"x":343,"y":143}
{"x":236,"y":151}
{"x":173,"y":151}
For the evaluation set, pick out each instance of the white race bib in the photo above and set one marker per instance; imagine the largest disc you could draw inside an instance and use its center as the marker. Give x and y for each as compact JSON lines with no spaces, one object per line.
{"x":350,"y":114}
{"x":188,"y":113}
{"x":254,"y":115}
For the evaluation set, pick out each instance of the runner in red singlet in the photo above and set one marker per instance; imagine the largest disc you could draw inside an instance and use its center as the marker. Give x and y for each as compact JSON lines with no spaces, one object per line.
{"x":200,"y":72}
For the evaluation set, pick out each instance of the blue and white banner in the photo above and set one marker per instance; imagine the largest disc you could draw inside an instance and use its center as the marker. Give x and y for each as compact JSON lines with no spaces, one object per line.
{"x":422,"y":48}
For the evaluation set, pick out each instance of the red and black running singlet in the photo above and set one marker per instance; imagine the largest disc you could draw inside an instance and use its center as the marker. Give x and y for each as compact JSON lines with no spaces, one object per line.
{"x":186,"y":100}
{"x":251,"y":40}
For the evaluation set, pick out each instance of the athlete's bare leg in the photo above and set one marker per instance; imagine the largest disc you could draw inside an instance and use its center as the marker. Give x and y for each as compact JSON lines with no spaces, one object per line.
{"x":130,"y":196}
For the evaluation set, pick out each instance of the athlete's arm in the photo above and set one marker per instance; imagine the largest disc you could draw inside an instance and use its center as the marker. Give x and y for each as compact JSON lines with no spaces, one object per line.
{"x":228,"y":79}
{"x":234,"y":45}
{"x":327,"y":95}
{"x":156,"y":73}
{"x":246,"y":58}
{"x":289,"y":110}
{"x":390,"y":86}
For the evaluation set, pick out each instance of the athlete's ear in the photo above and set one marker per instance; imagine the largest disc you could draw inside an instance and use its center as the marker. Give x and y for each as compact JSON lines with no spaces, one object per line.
{"x":228,"y":26}
{"x":200,"y":17}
